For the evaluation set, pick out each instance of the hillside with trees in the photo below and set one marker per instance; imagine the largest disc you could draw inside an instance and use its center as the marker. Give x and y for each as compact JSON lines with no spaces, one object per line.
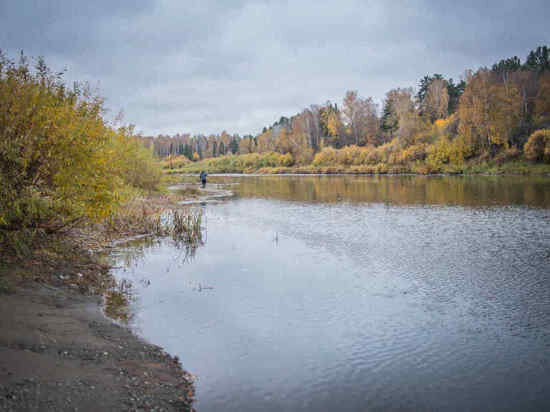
{"x":492,"y":114}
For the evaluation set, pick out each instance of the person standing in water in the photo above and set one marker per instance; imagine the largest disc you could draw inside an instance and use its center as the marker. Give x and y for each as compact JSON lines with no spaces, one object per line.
{"x":203,"y":178}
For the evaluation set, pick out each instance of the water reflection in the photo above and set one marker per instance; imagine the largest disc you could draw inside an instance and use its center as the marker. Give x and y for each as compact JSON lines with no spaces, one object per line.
{"x":117,"y":301}
{"x":130,"y":255}
{"x":399,"y":190}
{"x":362,"y":298}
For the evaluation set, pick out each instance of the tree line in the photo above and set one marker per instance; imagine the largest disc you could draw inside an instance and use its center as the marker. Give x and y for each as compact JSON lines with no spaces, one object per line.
{"x":489,"y":111}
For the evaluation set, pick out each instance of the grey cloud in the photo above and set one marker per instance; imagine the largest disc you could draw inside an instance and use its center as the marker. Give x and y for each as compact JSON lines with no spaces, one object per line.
{"x":205,"y":66}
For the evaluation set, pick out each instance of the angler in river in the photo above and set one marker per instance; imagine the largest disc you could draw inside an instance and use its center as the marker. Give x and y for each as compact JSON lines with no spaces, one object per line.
{"x":203,"y":178}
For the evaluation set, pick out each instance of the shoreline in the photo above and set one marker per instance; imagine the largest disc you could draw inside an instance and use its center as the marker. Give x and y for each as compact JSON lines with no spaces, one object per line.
{"x":60,"y":352}
{"x":220,"y":165}
{"x":350,"y":172}
{"x":340,"y":173}
{"x":58,"y":348}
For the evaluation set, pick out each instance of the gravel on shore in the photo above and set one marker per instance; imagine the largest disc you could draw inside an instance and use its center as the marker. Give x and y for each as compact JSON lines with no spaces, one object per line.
{"x":58,"y":352}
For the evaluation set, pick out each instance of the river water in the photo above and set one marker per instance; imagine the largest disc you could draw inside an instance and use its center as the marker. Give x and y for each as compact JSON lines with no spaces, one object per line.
{"x":357,"y":293}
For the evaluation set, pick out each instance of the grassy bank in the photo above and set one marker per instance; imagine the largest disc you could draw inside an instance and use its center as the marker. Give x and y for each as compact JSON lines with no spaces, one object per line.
{"x":472,"y":168}
{"x":268,"y":165}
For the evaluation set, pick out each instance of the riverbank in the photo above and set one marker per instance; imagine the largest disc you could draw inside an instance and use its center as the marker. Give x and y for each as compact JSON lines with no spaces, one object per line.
{"x":58,"y":351}
{"x":472,"y":168}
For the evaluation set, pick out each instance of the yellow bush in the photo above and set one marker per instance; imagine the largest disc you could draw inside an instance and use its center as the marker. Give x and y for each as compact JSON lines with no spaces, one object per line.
{"x":445,"y":151}
{"x":60,"y":159}
{"x":414,"y":153}
{"x":384,"y":152}
{"x":537,"y":147}
{"x":362,"y":158}
{"x":174,"y":162}
{"x":349,"y":155}
{"x":286,"y":160}
{"x":325,"y":157}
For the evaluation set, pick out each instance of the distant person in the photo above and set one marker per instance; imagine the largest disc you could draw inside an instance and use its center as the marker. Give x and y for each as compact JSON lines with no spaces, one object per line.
{"x":203,"y":178}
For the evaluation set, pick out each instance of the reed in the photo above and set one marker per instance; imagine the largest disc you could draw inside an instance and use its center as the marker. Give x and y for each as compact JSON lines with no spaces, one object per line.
{"x":185,"y":225}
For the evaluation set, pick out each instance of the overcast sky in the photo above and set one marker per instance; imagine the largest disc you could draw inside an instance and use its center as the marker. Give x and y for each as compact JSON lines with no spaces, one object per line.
{"x":177,"y":66}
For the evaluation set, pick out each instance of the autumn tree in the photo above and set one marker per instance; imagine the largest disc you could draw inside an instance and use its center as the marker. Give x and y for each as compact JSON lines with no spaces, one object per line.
{"x":473,"y":112}
{"x":266,"y":141}
{"x":542,"y":102}
{"x":408,"y":119}
{"x":490,"y":110}
{"x":312,"y":117}
{"x":325,"y":113}
{"x":505,"y":112}
{"x":351,"y":116}
{"x":247,"y":145}
{"x":436,"y":101}
{"x":299,"y":142}
{"x":361,"y":119}
{"x":335,"y":128}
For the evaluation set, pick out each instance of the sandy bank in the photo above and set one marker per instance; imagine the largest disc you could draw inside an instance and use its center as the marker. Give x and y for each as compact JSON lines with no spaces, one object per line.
{"x":59,"y":353}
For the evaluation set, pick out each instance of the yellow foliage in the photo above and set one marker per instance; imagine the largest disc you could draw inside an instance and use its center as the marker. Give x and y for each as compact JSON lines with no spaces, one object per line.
{"x":537,"y":147}
{"x":286,"y":160}
{"x":445,"y":151}
{"x":327,"y":156}
{"x":174,"y":162}
{"x":349,"y":155}
{"x":334,"y":124}
{"x":443,"y":126}
{"x":413,"y":153}
{"x":60,"y":159}
{"x":542,"y":101}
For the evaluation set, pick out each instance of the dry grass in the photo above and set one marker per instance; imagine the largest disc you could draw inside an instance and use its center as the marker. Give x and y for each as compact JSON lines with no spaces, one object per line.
{"x":75,"y":259}
{"x":159,"y":217}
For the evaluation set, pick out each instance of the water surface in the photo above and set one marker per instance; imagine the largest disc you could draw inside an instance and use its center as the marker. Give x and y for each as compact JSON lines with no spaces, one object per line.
{"x":358,"y":293}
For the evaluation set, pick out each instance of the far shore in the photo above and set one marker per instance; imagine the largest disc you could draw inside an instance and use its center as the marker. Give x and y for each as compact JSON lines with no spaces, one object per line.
{"x":504,"y":169}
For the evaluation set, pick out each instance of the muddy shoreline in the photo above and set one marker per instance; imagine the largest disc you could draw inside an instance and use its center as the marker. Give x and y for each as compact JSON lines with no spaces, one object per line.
{"x":59,"y":352}
{"x":58,"y":349}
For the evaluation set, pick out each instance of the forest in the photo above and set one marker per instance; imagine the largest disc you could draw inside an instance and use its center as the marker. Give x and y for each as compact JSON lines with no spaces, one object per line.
{"x":501,"y":113}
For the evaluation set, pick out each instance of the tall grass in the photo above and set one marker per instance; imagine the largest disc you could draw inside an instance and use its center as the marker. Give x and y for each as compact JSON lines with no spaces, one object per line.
{"x":185,"y":225}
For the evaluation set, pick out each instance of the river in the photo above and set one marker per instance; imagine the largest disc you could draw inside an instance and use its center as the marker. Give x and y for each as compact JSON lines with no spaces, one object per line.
{"x":353,"y":293}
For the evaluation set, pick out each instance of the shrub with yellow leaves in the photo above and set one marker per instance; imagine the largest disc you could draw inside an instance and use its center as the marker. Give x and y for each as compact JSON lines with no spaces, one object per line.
{"x":537,"y":147}
{"x":60,"y":160}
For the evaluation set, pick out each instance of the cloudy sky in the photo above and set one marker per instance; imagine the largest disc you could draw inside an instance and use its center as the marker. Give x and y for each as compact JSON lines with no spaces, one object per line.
{"x":177,"y":66}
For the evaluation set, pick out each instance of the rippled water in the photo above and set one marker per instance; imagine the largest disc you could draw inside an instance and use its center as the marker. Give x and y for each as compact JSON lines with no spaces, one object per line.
{"x":358,"y":293}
